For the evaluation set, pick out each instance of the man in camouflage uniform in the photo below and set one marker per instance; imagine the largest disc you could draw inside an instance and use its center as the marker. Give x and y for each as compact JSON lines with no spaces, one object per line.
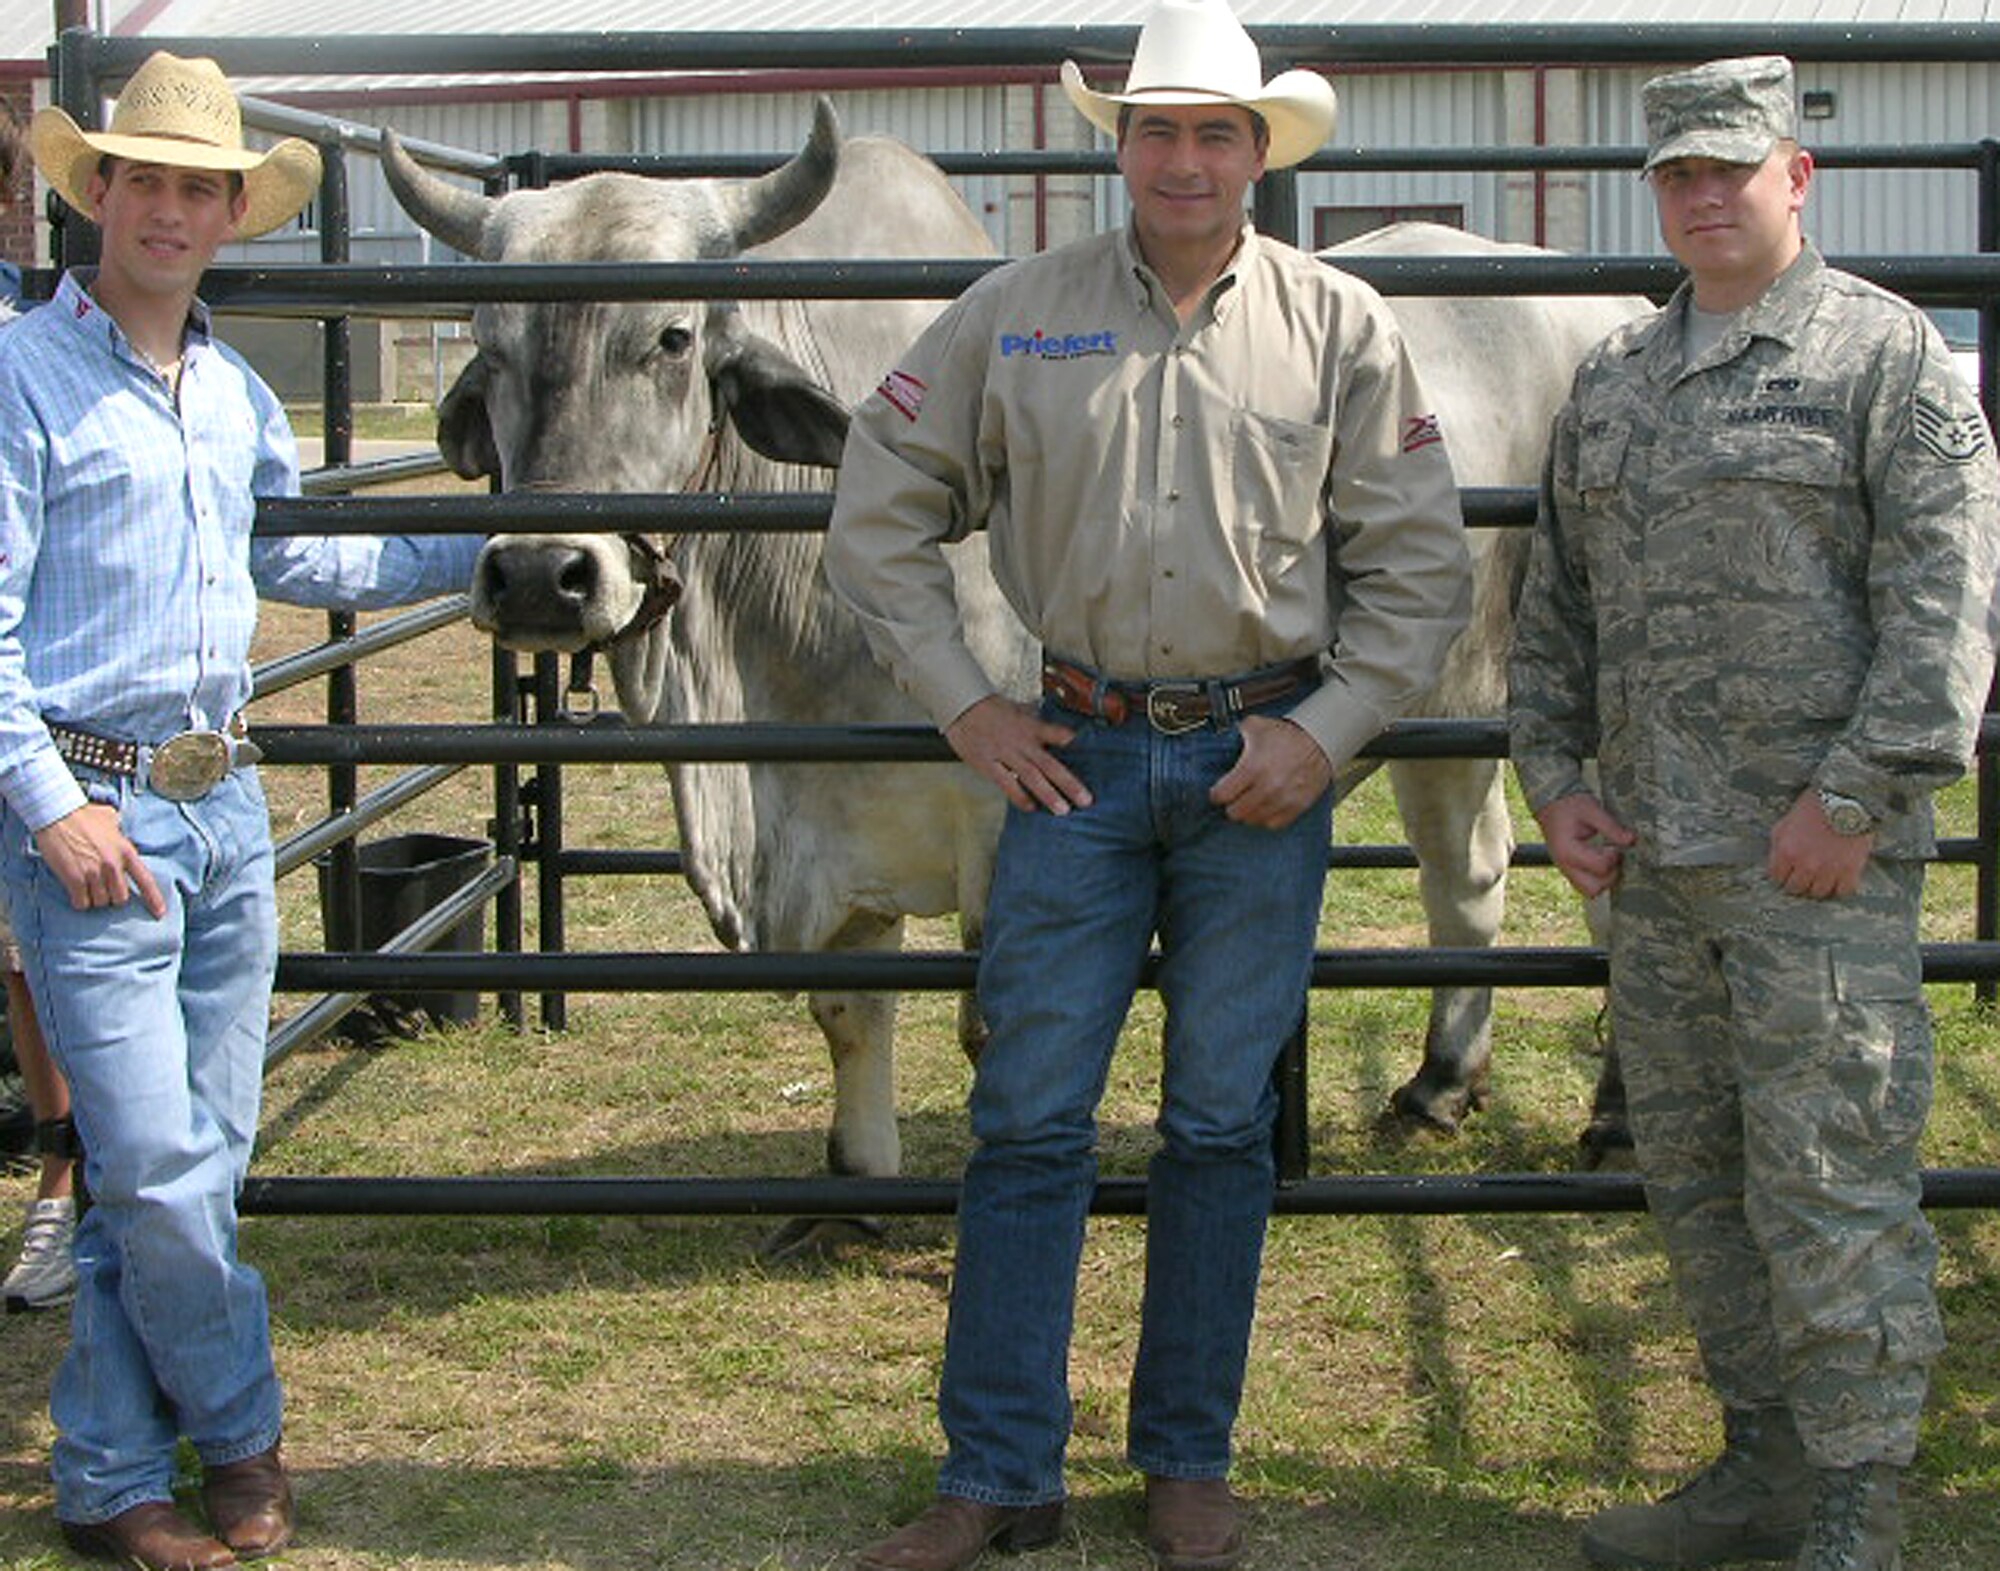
{"x":1760,"y":600}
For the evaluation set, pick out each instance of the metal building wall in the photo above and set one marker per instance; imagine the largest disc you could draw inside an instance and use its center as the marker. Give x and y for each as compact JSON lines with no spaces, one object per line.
{"x":930,"y":119}
{"x":1393,"y":110}
{"x":382,"y":232}
{"x":1848,"y":210}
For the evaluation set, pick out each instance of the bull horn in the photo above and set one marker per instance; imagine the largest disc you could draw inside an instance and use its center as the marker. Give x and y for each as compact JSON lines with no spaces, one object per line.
{"x":450,"y":212}
{"x":764,"y":208}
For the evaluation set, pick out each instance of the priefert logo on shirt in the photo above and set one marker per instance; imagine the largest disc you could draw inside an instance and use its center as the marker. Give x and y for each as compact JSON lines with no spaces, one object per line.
{"x":1058,"y":346}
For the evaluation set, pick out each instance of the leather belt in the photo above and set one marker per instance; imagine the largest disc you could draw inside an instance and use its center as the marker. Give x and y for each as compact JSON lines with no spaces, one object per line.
{"x":1173,"y":707}
{"x":183,"y":768}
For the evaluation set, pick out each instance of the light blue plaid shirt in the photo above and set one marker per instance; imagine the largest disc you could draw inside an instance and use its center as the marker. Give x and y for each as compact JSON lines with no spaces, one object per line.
{"x":128,"y":578}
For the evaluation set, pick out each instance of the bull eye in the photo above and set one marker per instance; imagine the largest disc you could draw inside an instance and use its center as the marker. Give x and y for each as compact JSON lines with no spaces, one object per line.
{"x":676,"y":341}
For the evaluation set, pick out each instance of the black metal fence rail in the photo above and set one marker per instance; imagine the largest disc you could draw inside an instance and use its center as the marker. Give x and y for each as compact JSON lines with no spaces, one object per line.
{"x":93,"y":55}
{"x":1488,"y":1194}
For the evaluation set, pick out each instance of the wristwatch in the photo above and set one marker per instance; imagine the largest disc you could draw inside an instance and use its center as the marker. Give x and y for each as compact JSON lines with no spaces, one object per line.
{"x":1844,"y":815}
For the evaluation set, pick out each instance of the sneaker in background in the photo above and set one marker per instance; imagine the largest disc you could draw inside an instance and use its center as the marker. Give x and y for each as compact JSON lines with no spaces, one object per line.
{"x":45,"y":1275}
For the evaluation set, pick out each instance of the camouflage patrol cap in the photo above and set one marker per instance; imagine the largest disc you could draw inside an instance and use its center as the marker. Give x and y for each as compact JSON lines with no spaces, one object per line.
{"x":1734,"y":111}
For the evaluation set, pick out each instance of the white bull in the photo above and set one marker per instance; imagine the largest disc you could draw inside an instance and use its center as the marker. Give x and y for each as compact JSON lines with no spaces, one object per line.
{"x":652,"y":397}
{"x":1498,"y":369}
{"x":670,"y":396}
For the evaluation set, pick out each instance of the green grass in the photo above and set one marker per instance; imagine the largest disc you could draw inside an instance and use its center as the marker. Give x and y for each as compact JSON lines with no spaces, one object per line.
{"x":613,"y":1393}
{"x":373,"y":422}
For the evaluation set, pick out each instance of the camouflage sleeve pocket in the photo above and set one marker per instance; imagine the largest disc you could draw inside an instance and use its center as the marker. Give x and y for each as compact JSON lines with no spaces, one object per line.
{"x":1600,"y":460}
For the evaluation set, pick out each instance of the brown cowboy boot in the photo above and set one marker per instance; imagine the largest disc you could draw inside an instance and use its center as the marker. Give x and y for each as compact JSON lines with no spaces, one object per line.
{"x":151,"y":1536}
{"x":953,"y":1533}
{"x":249,"y":1504}
{"x":1193,"y":1524}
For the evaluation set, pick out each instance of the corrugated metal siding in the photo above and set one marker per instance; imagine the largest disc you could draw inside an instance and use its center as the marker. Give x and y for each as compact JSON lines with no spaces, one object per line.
{"x":1620,"y":207}
{"x":191,"y":17}
{"x":932,"y":120}
{"x":1902,"y":210}
{"x":1848,"y":210}
{"x":382,"y":231}
{"x":1444,"y":109}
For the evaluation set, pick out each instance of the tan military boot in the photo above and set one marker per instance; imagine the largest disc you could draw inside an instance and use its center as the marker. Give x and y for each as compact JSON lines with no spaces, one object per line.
{"x":1857,"y":1520}
{"x":1753,"y":1502}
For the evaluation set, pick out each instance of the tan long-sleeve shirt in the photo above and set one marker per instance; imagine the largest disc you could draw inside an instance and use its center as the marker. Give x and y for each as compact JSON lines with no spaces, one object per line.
{"x":1162,"y":500}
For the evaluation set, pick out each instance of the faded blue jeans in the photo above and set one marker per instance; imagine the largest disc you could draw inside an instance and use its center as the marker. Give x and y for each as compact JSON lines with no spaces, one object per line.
{"x":159,"y":1026}
{"x":1076,"y":903}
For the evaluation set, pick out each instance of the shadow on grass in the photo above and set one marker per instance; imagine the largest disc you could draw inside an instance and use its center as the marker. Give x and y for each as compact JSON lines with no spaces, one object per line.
{"x":745,"y":1516}
{"x":729,"y":1516}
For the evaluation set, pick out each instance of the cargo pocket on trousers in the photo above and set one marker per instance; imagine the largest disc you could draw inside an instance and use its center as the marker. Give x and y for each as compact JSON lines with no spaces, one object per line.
{"x":1883,"y":1046}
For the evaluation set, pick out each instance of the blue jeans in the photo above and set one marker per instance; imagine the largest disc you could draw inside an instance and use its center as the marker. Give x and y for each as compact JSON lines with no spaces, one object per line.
{"x":1076,"y":902}
{"x":159,"y":1027}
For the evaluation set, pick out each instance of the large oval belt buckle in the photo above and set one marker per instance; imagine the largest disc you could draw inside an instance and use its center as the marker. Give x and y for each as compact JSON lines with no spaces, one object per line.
{"x":1175,"y":707}
{"x":187,"y":767}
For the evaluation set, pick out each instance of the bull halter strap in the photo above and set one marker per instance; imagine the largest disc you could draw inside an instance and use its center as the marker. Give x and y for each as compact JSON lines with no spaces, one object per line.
{"x":661,"y":581}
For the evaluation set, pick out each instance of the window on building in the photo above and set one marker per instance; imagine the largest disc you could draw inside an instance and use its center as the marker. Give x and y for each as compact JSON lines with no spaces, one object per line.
{"x":1331,"y":225}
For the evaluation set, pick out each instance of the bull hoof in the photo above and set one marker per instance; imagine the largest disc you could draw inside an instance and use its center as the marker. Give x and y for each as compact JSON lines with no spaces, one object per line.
{"x":1419,"y":1108}
{"x":810,"y":1238}
{"x":1605,"y":1143}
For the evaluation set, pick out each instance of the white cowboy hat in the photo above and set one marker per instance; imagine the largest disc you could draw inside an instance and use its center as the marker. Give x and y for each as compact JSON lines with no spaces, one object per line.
{"x":181,"y":113}
{"x":1196,"y":52}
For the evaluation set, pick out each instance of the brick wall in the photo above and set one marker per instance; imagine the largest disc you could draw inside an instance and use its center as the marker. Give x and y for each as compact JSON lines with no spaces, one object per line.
{"x":17,"y":220}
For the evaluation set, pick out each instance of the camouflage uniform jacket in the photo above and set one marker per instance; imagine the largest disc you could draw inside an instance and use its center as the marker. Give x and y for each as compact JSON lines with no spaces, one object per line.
{"x":1767,"y":569}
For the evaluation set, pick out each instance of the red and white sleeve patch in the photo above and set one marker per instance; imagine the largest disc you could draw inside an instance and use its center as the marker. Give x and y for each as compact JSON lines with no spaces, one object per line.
{"x":1420,"y":431}
{"x":904,"y":393}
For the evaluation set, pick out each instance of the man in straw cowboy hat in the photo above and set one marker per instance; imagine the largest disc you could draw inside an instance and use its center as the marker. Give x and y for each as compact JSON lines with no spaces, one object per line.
{"x":1761,"y":598}
{"x":135,"y":848}
{"x":1203,"y":462}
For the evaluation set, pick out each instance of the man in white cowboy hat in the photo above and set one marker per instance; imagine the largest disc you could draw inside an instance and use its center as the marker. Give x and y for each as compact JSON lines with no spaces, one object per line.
{"x":1761,"y":598}
{"x":1215,"y":492}
{"x":135,"y":848}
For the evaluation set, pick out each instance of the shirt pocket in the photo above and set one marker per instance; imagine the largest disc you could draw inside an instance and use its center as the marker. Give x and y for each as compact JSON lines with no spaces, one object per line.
{"x":1776,"y":502}
{"x":1277,"y":472}
{"x":1774,"y":456}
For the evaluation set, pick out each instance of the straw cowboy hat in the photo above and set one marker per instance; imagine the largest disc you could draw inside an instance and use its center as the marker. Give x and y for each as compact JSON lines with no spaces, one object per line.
{"x":1196,"y":52}
{"x":182,"y":113}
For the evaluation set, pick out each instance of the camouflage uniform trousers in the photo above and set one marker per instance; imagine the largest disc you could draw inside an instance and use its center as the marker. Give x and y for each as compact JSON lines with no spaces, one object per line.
{"x":1777,"y":1053}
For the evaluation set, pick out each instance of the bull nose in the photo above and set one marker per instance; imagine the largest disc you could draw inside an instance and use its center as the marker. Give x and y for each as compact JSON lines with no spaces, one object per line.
{"x":543,"y":588}
{"x":562,"y":573}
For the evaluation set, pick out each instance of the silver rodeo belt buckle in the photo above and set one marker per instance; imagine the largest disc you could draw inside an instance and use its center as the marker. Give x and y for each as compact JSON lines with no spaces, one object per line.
{"x":187,"y":767}
{"x":1172,"y":708}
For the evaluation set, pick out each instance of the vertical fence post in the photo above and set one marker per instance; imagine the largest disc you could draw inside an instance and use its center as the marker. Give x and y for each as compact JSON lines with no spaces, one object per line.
{"x":507,"y":821}
{"x":548,"y":788}
{"x":72,"y":239}
{"x":342,"y":912}
{"x":1986,"y":912}
{"x":510,"y":803}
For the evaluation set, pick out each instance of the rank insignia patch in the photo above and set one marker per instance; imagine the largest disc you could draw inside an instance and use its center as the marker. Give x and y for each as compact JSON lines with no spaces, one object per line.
{"x":1954,"y":437}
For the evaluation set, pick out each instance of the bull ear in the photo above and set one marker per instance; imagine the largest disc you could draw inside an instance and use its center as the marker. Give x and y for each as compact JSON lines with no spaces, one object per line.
{"x":464,"y":436}
{"x":775,"y":406}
